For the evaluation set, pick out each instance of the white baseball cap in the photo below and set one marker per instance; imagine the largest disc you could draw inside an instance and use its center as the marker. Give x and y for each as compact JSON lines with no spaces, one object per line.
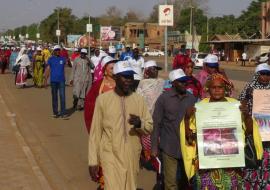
{"x":123,"y":68}
{"x":39,"y":48}
{"x":112,"y":49}
{"x":151,"y":63}
{"x":106,"y":60}
{"x":178,"y":74}
{"x":83,"y":50}
{"x":211,"y":60}
{"x":56,"y":47}
{"x":263,"y":67}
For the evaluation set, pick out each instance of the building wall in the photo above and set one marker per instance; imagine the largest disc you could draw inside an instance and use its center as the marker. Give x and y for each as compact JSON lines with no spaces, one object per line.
{"x":265,"y":20}
{"x":153,"y":34}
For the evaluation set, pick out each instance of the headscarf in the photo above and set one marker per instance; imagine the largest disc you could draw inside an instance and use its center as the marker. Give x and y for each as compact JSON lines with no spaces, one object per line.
{"x":228,"y":84}
{"x":20,"y":55}
{"x":247,"y":93}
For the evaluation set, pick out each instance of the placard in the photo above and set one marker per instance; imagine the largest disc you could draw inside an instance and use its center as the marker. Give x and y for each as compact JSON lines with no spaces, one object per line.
{"x":261,"y":112}
{"x":219,"y":135}
{"x":166,"y":15}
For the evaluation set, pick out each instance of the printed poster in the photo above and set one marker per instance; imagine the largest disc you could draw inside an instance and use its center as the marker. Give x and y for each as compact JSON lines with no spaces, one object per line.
{"x":219,"y":135}
{"x":261,"y":112}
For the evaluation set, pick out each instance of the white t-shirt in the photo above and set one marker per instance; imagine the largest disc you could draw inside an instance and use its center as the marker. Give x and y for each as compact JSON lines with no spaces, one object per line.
{"x":244,"y":56}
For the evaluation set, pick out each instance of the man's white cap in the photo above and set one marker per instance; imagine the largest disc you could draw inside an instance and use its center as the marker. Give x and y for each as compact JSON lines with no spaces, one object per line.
{"x":124,"y":68}
{"x":39,"y":48}
{"x":75,"y":49}
{"x":262,"y":67}
{"x":151,"y":63}
{"x":210,"y":58}
{"x":128,"y":45}
{"x":112,"y":49}
{"x":56,"y":47}
{"x":177,"y":74}
{"x":106,"y":60}
{"x":83,"y":50}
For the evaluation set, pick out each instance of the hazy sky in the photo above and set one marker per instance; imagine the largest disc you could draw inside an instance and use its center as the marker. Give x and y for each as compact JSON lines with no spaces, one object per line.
{"x":14,"y":13}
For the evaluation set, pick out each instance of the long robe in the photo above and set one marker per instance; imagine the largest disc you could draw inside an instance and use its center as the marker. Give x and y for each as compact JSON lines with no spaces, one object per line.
{"x":82,"y":78}
{"x":113,"y":143}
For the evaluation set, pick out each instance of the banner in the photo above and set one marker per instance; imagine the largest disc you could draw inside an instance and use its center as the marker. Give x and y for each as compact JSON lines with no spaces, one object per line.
{"x":219,"y":135}
{"x":110,"y":33}
{"x":261,"y":112}
{"x":72,"y":40}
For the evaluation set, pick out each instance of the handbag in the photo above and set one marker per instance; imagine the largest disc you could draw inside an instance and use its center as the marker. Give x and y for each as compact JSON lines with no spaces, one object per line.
{"x":251,"y":159}
{"x":16,"y":68}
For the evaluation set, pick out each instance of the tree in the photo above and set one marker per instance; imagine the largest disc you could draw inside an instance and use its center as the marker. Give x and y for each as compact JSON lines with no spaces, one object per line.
{"x":132,"y":16}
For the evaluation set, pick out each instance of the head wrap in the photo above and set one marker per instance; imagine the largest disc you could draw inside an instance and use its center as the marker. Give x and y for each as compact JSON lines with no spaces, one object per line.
{"x":219,"y":77}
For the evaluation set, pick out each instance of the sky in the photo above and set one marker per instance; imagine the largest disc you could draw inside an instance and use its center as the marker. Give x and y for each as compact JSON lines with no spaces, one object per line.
{"x":15,"y":13}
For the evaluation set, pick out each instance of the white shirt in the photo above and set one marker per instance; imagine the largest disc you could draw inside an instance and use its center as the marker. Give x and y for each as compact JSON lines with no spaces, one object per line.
{"x":244,"y":55}
{"x":137,"y":66}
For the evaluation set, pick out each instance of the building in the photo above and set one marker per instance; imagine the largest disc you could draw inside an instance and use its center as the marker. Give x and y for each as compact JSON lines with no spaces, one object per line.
{"x":265,"y":22}
{"x":233,"y":46}
{"x":143,"y":35}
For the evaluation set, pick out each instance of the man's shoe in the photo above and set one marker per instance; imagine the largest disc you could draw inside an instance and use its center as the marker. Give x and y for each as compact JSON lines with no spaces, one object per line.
{"x":55,"y":115}
{"x":65,"y":116}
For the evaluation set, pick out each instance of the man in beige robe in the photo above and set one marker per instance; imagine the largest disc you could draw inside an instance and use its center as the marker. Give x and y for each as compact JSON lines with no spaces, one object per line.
{"x":120,"y":118}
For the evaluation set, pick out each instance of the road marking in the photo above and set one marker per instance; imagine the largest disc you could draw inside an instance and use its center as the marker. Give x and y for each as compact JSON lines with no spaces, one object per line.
{"x":26,"y":149}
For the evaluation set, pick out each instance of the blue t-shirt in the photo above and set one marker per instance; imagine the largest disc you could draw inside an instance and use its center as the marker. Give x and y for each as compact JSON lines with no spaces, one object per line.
{"x":57,"y":67}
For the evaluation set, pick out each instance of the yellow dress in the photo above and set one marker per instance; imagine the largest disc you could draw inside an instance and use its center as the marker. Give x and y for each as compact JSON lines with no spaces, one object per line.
{"x":47,"y":54}
{"x":113,"y":143}
{"x":38,"y":70}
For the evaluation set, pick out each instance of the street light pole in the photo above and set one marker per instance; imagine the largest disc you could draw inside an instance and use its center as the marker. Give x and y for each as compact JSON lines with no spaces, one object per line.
{"x":58,"y":37}
{"x":165,"y":45}
{"x":89,"y":44}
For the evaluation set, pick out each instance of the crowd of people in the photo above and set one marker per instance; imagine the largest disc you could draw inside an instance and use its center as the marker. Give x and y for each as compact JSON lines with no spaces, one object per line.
{"x":136,"y":119}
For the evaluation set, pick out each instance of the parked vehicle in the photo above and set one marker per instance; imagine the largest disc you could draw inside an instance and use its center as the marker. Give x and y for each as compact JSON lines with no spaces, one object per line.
{"x":262,"y":58}
{"x":154,"y":52}
{"x":197,"y":59}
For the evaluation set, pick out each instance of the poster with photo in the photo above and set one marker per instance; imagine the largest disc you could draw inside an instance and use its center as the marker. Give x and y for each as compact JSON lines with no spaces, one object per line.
{"x":261,"y":112}
{"x":219,"y":135}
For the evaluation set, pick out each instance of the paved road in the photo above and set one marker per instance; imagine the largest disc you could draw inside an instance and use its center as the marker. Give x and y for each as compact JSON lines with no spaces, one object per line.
{"x":59,"y":146}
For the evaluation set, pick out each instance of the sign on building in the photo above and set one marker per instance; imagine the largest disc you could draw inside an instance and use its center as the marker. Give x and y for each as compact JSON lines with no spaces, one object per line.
{"x":110,"y":33}
{"x":166,"y":15}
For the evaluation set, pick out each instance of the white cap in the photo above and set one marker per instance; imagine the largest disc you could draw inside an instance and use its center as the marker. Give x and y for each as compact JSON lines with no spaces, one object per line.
{"x":112,"y":49}
{"x":75,"y":49}
{"x":177,"y":74}
{"x":106,"y":60}
{"x":210,"y":58}
{"x":83,"y":50}
{"x":39,"y":48}
{"x":262,"y":67}
{"x":151,"y":63}
{"x":123,"y":67}
{"x":56,"y":47}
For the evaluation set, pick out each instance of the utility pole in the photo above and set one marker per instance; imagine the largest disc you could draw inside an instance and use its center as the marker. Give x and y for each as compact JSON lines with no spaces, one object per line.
{"x":58,"y":36}
{"x":166,"y":45}
{"x":89,"y":36}
{"x":207,"y":28}
{"x":191,"y":26}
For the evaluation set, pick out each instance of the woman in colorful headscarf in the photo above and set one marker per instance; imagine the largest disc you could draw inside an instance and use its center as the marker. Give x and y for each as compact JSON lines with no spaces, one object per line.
{"x":258,"y":178}
{"x":210,"y":66}
{"x":38,"y":67}
{"x":193,"y":85}
{"x":104,"y":85}
{"x":216,"y":179}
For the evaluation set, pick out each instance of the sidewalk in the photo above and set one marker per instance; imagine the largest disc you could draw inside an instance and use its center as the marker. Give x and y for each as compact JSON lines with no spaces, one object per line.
{"x":18,"y":169}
